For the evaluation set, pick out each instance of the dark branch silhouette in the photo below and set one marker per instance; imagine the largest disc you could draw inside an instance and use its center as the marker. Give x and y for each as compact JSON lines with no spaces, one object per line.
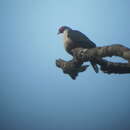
{"x":80,"y":55}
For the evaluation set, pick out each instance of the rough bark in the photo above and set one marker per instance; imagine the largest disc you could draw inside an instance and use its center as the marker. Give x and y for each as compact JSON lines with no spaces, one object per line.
{"x":97,"y":54}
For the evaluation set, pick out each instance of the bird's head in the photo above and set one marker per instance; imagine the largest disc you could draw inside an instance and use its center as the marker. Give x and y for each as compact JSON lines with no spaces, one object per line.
{"x":62,"y":29}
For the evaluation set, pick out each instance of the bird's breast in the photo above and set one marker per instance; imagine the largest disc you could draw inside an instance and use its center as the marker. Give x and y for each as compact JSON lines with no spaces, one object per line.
{"x":68,"y":43}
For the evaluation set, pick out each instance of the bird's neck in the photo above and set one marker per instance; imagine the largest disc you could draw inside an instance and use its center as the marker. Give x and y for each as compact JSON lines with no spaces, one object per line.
{"x":66,"y":31}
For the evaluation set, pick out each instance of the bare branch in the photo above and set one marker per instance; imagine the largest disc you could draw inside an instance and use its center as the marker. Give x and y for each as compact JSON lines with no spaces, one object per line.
{"x":81,"y":55}
{"x":72,"y":68}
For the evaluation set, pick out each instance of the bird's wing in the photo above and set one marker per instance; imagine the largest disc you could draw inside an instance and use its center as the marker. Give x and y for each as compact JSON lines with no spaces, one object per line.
{"x":79,"y":38}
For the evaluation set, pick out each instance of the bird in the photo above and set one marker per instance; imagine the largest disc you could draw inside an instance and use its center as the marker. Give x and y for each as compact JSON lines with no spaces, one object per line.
{"x":75,"y":39}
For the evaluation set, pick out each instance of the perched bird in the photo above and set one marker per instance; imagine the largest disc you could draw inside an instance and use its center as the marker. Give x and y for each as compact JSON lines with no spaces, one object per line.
{"x":74,"y":39}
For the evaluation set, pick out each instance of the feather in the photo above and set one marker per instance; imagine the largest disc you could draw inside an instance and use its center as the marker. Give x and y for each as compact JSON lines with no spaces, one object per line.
{"x":80,"y":39}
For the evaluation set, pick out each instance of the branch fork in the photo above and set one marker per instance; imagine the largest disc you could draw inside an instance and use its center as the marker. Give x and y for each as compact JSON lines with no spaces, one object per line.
{"x":81,"y":55}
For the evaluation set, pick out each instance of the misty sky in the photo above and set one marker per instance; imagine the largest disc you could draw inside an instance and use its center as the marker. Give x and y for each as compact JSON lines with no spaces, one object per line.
{"x":34,"y":93}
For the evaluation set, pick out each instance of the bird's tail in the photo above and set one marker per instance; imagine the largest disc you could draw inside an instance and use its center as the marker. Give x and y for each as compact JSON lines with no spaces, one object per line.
{"x":95,"y":67}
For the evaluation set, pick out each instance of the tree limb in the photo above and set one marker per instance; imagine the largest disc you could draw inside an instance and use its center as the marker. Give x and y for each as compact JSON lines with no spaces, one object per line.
{"x":96,"y":55}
